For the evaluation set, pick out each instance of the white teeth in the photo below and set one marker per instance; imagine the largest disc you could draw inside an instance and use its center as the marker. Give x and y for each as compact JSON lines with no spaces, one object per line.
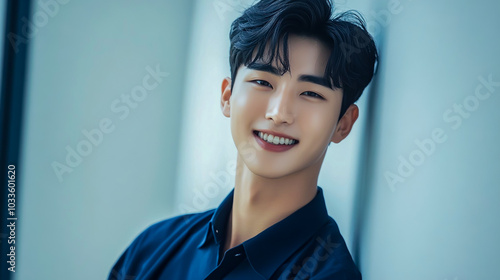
{"x":275,"y":139}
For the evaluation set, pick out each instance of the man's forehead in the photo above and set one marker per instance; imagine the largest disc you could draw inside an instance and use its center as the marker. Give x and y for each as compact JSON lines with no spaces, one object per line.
{"x":274,"y":67}
{"x":277,"y":67}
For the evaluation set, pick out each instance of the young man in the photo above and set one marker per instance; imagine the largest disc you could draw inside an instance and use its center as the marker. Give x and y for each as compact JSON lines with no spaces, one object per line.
{"x":295,"y":74}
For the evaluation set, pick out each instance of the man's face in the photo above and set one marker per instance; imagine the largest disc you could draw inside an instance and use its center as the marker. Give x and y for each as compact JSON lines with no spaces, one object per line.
{"x":297,"y":104}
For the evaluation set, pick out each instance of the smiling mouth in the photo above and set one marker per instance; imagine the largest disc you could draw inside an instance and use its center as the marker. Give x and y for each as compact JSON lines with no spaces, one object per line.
{"x":275,"y":140}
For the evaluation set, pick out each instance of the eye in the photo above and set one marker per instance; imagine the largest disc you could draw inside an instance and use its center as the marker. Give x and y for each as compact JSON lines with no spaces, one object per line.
{"x":313,"y":94}
{"x":262,"y":83}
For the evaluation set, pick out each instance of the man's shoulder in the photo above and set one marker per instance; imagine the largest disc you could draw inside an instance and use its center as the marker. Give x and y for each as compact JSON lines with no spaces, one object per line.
{"x":172,"y":226}
{"x":330,"y":235}
{"x":332,"y":250}
{"x":155,"y":239}
{"x":165,"y":231}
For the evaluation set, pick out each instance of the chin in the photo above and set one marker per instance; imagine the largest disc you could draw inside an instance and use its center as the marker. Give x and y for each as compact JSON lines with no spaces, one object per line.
{"x":269,"y":170}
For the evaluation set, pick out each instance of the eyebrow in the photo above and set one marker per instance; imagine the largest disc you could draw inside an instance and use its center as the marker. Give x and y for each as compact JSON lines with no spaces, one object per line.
{"x":315,"y":80}
{"x":264,"y":67}
{"x":303,"y":78}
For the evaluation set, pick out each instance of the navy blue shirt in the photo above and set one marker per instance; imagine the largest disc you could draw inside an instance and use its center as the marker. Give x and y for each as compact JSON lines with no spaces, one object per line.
{"x":305,"y":245}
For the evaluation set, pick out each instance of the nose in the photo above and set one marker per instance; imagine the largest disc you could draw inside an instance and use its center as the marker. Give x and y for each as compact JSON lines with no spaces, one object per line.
{"x":280,"y":108}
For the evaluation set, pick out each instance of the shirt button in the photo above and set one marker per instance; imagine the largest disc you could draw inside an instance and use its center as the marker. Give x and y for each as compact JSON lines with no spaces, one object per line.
{"x":216,"y":231}
{"x":237,"y":254}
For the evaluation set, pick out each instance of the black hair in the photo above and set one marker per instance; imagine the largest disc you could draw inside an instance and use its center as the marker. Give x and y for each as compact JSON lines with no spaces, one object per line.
{"x":353,"y":53}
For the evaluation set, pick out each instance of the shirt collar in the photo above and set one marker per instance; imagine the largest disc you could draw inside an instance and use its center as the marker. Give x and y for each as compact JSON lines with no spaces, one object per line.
{"x":270,"y":248}
{"x":218,"y":223}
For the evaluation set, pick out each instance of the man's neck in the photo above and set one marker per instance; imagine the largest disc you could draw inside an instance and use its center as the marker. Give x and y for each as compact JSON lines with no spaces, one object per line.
{"x":259,"y":202}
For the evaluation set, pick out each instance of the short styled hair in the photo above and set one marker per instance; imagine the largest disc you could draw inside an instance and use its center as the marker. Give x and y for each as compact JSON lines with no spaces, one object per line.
{"x":270,"y":22}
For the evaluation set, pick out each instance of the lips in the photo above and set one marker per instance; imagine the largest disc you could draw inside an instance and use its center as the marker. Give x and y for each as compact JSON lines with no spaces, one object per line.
{"x":274,"y":134}
{"x":280,"y":142}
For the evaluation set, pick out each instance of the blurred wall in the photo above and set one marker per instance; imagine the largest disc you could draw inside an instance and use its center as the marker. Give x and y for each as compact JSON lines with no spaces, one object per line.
{"x":434,"y":180}
{"x":105,"y":84}
{"x":206,"y":167}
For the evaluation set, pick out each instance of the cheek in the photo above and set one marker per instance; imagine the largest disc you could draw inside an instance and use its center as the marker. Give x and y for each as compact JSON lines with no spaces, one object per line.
{"x":248,"y":104}
{"x":320,"y":122}
{"x":246,"y":109}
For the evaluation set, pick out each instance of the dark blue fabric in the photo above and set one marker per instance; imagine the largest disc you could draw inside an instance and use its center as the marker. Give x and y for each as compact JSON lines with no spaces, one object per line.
{"x":305,"y":245}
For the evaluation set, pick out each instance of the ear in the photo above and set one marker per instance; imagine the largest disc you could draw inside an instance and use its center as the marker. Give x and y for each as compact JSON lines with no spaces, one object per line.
{"x":225,"y":97}
{"x":345,"y":124}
